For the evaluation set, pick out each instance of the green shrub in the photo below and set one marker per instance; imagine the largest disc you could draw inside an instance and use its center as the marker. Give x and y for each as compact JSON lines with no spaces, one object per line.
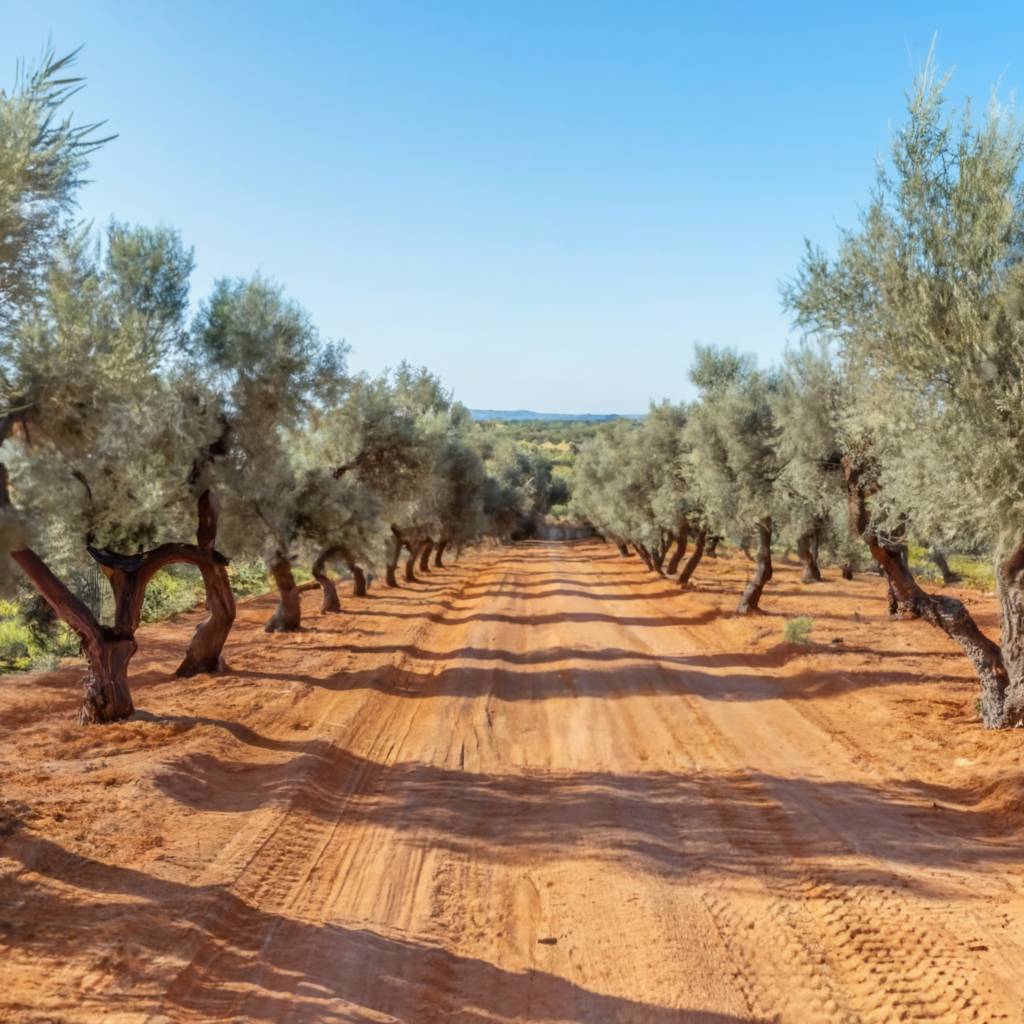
{"x":249,"y":577}
{"x":170,"y":592}
{"x":14,"y":644}
{"x":798,"y":630}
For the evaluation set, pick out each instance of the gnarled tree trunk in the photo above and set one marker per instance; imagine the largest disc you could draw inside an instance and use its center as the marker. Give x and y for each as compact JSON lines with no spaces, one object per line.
{"x":358,"y":581}
{"x":109,"y":649}
{"x":288,"y":616}
{"x":390,"y":570}
{"x":623,"y":550}
{"x":329,"y":602}
{"x":439,"y":553}
{"x":712,"y":546}
{"x":694,"y":560}
{"x":410,"y":562}
{"x":658,"y":556}
{"x":427,"y":547}
{"x":205,"y":650}
{"x":106,"y":696}
{"x":1002,"y":679}
{"x":806,"y":550}
{"x":645,"y":555}
{"x":938,"y":557}
{"x":390,"y":577}
{"x":750,"y":600}
{"x":682,"y":538}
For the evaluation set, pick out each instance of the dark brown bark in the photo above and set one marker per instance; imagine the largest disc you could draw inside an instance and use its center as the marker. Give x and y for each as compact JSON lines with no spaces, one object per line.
{"x":694,"y":560}
{"x":109,"y":649}
{"x":658,"y":556}
{"x":106,"y":696}
{"x":682,"y":538}
{"x":938,"y":558}
{"x":129,"y":575}
{"x":806,"y":550}
{"x":205,"y":649}
{"x":645,"y":555}
{"x":1002,"y":701}
{"x":1010,"y":590}
{"x":623,"y":550}
{"x":329,"y":601}
{"x":439,"y":553}
{"x":847,"y":571}
{"x":712,"y":546}
{"x":358,"y":581}
{"x":358,"y":575}
{"x":390,"y":577}
{"x":751,"y":598}
{"x":410,"y":562}
{"x":288,"y":616}
{"x":425,"y":549}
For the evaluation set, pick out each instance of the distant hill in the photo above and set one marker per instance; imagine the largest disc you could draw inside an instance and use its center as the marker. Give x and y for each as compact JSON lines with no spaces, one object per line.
{"x":562,"y":417}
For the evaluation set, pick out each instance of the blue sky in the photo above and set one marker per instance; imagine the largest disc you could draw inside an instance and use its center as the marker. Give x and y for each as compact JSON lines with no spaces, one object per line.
{"x":547,"y":203}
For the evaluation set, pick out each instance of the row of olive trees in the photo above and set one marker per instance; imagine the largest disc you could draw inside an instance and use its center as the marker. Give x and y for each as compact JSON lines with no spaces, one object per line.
{"x":901,"y":415}
{"x":126,"y":427}
{"x":750,"y":459}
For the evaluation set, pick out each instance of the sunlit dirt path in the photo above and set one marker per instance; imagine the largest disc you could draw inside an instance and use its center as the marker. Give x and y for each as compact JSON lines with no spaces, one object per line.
{"x":540,"y":786}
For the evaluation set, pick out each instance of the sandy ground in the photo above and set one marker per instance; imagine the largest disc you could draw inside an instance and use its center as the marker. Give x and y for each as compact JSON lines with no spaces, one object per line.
{"x":542,"y":785}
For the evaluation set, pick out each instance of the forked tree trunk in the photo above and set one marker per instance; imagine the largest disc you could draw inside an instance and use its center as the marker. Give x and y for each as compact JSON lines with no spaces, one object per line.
{"x":288,"y":616}
{"x":694,"y":560}
{"x":712,"y":547}
{"x":806,"y":551}
{"x":750,"y":600}
{"x":390,"y":577}
{"x":428,"y":546}
{"x":329,"y":601}
{"x":106,"y":696}
{"x":645,"y":555}
{"x":682,"y":538}
{"x":1000,"y":671}
{"x":109,"y":649}
{"x":439,"y":553}
{"x":623,"y":550}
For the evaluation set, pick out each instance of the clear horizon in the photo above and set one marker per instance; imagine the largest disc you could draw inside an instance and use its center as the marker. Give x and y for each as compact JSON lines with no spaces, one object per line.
{"x":546,"y":205}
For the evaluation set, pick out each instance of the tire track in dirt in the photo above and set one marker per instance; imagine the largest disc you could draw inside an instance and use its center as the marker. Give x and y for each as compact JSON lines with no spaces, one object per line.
{"x":853,"y":949}
{"x":543,"y":787}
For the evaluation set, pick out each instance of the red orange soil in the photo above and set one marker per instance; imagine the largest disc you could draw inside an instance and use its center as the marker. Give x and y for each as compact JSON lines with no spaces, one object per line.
{"x":540,"y":786}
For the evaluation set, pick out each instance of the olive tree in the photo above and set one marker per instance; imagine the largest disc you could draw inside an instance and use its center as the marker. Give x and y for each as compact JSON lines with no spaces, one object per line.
{"x":733,"y":454}
{"x":925,"y":299}
{"x":100,"y":443}
{"x":263,"y":358}
{"x":43,"y":157}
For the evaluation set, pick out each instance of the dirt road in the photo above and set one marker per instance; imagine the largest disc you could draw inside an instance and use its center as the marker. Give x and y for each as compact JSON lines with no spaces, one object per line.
{"x":540,"y":786}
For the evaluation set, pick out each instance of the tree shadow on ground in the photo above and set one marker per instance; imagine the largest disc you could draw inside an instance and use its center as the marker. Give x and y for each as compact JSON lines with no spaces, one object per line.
{"x":167,"y":946}
{"x":698,"y":825}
